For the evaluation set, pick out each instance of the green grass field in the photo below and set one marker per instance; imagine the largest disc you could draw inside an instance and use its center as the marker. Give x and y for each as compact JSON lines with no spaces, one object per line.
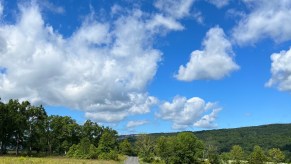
{"x":52,"y":160}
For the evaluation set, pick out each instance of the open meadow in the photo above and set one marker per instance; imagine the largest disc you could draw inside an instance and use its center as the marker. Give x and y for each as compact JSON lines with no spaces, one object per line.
{"x":52,"y":160}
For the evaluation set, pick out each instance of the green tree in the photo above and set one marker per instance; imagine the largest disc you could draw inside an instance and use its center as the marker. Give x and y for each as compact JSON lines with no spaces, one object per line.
{"x":188,"y":149}
{"x":236,"y":154}
{"x":145,"y":147}
{"x":184,"y":148}
{"x":60,"y":129}
{"x":6,"y":127}
{"x":125,"y":147}
{"x":213,"y":156}
{"x":93,"y":131}
{"x":35,"y":133}
{"x":83,"y":150}
{"x":257,"y":156}
{"x":165,"y":148}
{"x":107,"y":147}
{"x":108,"y":141}
{"x":276,"y":155}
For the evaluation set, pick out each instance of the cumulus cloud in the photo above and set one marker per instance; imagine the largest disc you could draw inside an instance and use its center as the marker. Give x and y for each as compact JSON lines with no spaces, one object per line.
{"x":214,"y":62}
{"x":103,"y":68}
{"x":207,"y":121}
{"x":171,"y":11}
{"x":133,"y":124}
{"x":281,"y":71}
{"x":267,"y":19}
{"x":168,"y":23}
{"x":185,"y":112}
{"x":174,"y":8}
{"x":219,"y":3}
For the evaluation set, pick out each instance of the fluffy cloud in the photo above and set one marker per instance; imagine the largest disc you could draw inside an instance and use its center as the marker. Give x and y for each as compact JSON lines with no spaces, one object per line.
{"x":207,"y":121}
{"x":214,"y":62}
{"x":219,"y":3}
{"x":171,"y":11}
{"x":281,"y":71}
{"x":174,"y":8}
{"x":168,"y":23}
{"x":269,"y":18}
{"x":102,"y":68}
{"x":133,"y":124}
{"x":185,"y":112}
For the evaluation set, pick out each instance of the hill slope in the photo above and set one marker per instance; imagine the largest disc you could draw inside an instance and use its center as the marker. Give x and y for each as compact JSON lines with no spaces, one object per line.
{"x":266,"y":136}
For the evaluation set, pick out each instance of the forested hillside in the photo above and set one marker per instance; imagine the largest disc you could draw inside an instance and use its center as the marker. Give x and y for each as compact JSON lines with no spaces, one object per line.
{"x":266,"y":136}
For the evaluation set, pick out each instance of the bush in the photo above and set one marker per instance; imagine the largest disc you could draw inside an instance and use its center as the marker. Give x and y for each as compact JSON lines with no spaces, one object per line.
{"x":83,"y":150}
{"x":112,"y":155}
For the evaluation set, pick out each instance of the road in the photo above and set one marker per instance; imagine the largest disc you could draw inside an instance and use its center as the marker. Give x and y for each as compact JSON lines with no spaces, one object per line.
{"x":131,"y":160}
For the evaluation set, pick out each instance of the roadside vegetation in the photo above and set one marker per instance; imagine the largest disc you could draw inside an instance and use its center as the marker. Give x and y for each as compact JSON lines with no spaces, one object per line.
{"x":28,"y":132}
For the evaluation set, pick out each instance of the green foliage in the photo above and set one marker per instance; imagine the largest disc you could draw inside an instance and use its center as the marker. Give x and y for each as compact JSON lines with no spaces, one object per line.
{"x":108,"y":141}
{"x":276,"y":155}
{"x":125,"y":148}
{"x":184,"y":148}
{"x":236,"y":154}
{"x":83,"y":150}
{"x":257,"y":156}
{"x":29,"y":128}
{"x":145,"y":147}
{"x":212,"y":155}
{"x":112,"y":155}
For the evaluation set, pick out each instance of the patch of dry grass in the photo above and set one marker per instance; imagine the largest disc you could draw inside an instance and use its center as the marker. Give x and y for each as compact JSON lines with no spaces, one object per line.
{"x":52,"y":160}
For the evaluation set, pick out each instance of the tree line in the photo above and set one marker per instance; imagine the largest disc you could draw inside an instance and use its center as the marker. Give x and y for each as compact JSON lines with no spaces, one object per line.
{"x":186,"y":148}
{"x":28,"y":129}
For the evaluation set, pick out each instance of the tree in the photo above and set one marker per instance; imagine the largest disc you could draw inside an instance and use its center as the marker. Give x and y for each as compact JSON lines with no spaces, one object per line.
{"x":5,"y":127}
{"x":35,"y":133}
{"x":236,"y":154}
{"x":60,"y":129}
{"x":213,"y":156}
{"x":184,"y":148}
{"x":276,"y":155}
{"x":257,"y":156}
{"x":92,"y":131}
{"x":165,"y":148}
{"x":108,"y":145}
{"x":145,"y":147}
{"x":83,"y":150}
{"x":187,"y":149}
{"x":125,"y":147}
{"x":108,"y":141}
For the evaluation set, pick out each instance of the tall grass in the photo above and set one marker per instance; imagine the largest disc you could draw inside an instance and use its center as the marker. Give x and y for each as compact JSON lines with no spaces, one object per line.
{"x":52,"y":160}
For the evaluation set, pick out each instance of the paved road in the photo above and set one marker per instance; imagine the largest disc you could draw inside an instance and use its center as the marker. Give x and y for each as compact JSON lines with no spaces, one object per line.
{"x":132,"y":160}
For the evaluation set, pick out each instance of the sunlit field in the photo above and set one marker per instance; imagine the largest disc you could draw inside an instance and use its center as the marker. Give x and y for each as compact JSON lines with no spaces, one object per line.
{"x":52,"y":160}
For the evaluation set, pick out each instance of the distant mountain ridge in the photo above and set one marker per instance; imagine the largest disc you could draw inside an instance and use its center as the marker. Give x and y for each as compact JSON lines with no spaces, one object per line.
{"x":266,"y":136}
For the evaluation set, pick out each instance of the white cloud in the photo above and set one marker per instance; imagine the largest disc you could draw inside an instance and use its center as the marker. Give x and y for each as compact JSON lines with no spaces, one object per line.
{"x":174,"y":8}
{"x":51,"y":7}
{"x":168,"y":23}
{"x":219,"y":3}
{"x":102,"y":69}
{"x":267,"y":19}
{"x":207,"y":121}
{"x":281,"y":71}
{"x":185,"y":112}
{"x":133,"y":124}
{"x":214,"y":62}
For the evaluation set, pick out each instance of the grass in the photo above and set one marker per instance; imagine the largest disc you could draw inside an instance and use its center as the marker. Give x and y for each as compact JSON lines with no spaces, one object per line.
{"x":52,"y":160}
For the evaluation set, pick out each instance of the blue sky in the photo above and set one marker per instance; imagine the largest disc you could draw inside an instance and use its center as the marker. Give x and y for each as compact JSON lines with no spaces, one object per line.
{"x":150,"y":65}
